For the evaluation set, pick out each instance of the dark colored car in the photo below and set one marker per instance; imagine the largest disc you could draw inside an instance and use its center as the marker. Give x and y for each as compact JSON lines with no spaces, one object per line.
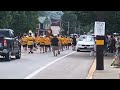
{"x":9,"y":44}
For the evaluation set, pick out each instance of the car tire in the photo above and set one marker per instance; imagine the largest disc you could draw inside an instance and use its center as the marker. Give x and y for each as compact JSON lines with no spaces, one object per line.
{"x":18,"y":56}
{"x":8,"y":56}
{"x":78,"y":50}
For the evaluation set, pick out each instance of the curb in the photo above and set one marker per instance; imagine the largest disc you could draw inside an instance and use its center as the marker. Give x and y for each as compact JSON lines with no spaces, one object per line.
{"x":91,"y":70}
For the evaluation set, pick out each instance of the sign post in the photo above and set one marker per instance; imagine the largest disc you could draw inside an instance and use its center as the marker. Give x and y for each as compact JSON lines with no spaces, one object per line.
{"x":99,"y":31}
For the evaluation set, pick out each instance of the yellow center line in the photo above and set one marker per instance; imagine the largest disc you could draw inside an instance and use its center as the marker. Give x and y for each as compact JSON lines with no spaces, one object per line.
{"x":91,"y":70}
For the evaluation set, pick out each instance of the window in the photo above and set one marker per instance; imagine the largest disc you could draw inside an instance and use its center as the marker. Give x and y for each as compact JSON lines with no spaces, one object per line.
{"x":86,"y":38}
{"x":4,"y":33}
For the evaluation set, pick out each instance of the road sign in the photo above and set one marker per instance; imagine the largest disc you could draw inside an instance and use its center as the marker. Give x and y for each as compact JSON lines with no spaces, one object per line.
{"x":99,"y":28}
{"x":99,"y":42}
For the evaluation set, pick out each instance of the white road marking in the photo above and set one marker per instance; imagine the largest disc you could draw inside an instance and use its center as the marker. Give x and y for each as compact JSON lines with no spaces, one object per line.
{"x":42,"y":68}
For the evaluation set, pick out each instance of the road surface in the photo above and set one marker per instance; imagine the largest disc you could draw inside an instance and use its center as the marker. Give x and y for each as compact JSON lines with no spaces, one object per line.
{"x":68,"y":65}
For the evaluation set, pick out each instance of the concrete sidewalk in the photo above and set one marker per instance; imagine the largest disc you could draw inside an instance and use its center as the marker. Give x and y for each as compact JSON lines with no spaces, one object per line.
{"x":108,"y":72}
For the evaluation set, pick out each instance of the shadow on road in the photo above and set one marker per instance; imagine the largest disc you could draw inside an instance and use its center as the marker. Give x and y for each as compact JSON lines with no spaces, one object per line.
{"x":3,"y":60}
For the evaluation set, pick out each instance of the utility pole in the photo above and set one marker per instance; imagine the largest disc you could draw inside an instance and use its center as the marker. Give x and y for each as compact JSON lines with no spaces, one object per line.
{"x":68,"y":28}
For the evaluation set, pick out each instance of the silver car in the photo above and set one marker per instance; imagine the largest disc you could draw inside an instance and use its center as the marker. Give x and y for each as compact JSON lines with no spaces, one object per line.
{"x":85,"y":43}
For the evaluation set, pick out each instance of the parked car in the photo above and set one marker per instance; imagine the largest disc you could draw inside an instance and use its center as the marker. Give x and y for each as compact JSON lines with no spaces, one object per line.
{"x":9,"y":44}
{"x":85,"y":43}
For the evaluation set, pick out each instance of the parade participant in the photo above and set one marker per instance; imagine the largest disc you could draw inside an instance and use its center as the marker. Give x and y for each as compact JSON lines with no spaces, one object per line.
{"x":47,"y":43}
{"x":55,"y":45}
{"x":24,"y":42}
{"x":50,"y":37}
{"x":74,"y":42}
{"x":69,"y":42}
{"x":62,"y":43}
{"x":42,"y":44}
{"x":66,"y":42}
{"x":30,"y":42}
{"x":36,"y":41}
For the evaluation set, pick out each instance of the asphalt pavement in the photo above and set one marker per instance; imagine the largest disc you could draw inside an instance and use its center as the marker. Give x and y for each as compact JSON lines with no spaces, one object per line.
{"x":68,"y":65}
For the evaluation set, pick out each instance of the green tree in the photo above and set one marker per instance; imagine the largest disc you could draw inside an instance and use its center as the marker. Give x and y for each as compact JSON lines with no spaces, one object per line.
{"x":5,"y":19}
{"x":70,"y":17}
{"x":23,"y":21}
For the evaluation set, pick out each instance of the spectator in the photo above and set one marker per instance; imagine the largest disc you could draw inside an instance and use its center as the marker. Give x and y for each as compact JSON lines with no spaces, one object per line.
{"x":74,"y":42}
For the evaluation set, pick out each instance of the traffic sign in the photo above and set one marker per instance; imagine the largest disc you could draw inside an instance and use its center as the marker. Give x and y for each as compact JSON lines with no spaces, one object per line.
{"x":99,"y":42}
{"x":99,"y":28}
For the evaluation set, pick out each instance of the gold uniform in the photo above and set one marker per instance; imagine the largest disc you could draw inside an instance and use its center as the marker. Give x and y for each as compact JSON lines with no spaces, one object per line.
{"x":47,"y":41}
{"x":24,"y":41}
{"x":41,"y":41}
{"x":37,"y":40}
{"x":30,"y":42}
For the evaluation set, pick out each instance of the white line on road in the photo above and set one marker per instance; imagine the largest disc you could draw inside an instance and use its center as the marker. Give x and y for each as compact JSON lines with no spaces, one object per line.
{"x":42,"y":68}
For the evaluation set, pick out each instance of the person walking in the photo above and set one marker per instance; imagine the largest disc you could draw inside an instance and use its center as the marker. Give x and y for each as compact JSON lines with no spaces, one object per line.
{"x":42,"y":44}
{"x":74,"y":42}
{"x":55,"y":45}
{"x":30,"y":42}
{"x":47,"y":43}
{"x":24,"y":42}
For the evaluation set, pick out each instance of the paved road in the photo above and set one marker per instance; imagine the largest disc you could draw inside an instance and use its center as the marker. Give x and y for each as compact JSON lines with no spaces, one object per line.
{"x":65,"y":66}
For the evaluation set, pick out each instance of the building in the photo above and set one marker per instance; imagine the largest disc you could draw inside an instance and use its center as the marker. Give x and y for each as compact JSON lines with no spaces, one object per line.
{"x":55,"y":26}
{"x":44,"y":25}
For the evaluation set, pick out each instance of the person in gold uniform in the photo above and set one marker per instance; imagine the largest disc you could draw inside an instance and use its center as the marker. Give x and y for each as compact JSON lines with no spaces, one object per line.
{"x":47,"y":43}
{"x":24,"y":42}
{"x":36,"y":41}
{"x":30,"y":42}
{"x":42,"y":44}
{"x":62,"y":43}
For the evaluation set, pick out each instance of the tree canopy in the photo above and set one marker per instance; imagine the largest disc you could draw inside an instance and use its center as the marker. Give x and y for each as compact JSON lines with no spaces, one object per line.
{"x":23,"y":21}
{"x":86,"y":20}
{"x":19,"y":21}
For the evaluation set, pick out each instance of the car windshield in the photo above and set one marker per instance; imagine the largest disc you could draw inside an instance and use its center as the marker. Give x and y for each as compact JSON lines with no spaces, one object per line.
{"x":4,"y":33}
{"x":86,"y":38}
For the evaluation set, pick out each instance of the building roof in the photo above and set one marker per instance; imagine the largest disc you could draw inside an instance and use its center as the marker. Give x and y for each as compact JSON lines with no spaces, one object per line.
{"x":41,"y":19}
{"x":44,"y":19}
